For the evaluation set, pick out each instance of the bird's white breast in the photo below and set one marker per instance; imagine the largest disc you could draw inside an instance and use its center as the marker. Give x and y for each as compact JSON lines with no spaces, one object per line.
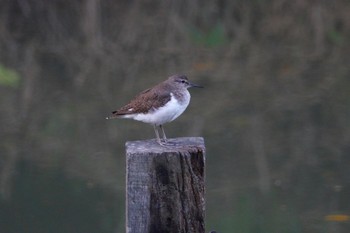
{"x":169,"y":112}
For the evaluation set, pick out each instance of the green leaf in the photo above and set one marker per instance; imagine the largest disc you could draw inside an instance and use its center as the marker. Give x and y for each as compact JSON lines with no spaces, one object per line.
{"x":9,"y":77}
{"x":212,"y":38}
{"x":336,"y":37}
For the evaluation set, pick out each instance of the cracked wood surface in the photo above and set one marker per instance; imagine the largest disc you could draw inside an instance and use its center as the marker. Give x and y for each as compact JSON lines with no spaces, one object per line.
{"x":165,"y":186}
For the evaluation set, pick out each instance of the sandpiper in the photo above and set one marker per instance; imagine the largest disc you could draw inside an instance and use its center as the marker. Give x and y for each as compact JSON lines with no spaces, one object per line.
{"x":158,"y":105}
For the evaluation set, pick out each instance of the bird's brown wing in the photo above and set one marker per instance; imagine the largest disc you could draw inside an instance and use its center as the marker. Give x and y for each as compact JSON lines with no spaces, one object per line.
{"x":143,"y":103}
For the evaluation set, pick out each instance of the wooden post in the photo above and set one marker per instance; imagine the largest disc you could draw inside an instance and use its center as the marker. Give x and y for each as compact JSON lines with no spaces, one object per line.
{"x":165,"y":186}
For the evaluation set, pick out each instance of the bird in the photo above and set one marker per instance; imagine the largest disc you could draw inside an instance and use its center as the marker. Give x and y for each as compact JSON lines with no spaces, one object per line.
{"x":158,"y":105}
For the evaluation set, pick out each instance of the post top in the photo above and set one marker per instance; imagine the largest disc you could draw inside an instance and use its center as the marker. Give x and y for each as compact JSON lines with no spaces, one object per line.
{"x":175,"y":145}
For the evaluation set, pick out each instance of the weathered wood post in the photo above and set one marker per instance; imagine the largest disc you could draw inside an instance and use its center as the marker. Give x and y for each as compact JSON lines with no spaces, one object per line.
{"x":165,"y":186}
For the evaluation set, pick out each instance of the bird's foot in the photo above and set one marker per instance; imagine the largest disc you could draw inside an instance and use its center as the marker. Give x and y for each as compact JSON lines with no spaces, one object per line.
{"x":161,"y":142}
{"x":165,"y":142}
{"x":168,"y":143}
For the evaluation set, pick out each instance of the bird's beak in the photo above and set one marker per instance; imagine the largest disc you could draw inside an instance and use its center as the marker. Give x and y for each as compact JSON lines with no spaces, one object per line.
{"x":195,"y":85}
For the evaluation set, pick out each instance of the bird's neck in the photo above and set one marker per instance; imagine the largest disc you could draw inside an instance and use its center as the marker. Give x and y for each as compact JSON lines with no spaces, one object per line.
{"x":183,"y":96}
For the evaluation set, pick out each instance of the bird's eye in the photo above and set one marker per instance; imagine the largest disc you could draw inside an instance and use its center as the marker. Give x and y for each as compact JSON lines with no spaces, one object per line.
{"x":183,"y":81}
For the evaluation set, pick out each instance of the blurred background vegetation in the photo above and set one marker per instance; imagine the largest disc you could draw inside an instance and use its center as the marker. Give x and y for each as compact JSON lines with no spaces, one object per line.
{"x":275,"y":111}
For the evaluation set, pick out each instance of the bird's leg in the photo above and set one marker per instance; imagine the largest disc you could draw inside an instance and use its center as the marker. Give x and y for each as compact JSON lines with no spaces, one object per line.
{"x":157,"y":135}
{"x":164,"y":136}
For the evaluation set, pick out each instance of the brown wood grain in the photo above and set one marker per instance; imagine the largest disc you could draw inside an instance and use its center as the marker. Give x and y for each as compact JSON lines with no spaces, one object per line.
{"x":165,"y":186}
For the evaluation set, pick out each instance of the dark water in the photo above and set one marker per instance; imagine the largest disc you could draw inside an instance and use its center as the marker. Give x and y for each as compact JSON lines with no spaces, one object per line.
{"x":46,"y":200}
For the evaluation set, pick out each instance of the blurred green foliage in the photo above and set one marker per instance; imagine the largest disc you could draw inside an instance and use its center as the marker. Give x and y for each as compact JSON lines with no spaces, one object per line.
{"x":213,"y":37}
{"x":9,"y":77}
{"x":336,"y":37}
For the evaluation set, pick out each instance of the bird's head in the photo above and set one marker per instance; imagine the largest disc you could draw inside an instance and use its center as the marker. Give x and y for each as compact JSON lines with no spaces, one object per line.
{"x":182,"y":81}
